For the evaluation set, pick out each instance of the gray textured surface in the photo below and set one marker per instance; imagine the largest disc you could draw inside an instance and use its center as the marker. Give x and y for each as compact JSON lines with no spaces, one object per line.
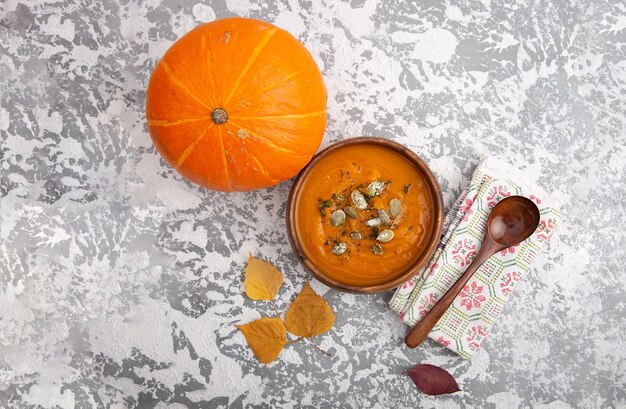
{"x":121,"y":283}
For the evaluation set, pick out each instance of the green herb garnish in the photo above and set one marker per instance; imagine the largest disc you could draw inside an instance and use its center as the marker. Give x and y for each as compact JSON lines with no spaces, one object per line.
{"x":407,"y":187}
{"x":322,"y":204}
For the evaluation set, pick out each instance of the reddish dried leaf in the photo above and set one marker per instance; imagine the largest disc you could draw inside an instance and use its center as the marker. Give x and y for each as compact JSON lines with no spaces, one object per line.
{"x":433,"y":380}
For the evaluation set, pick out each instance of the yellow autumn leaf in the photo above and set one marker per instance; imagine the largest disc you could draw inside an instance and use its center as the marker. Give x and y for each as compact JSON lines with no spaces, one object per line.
{"x":309,"y":314}
{"x":266,"y":337}
{"x":262,"y":280}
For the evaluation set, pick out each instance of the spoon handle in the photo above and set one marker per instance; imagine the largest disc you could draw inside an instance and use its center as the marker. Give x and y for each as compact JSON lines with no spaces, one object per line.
{"x":423,"y":328}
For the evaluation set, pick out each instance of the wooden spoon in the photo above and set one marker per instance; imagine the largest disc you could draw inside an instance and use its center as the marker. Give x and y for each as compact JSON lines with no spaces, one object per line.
{"x":511,"y":221}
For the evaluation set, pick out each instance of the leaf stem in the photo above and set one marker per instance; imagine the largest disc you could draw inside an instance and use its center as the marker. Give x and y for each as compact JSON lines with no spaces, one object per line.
{"x":294,"y":341}
{"x":318,"y":348}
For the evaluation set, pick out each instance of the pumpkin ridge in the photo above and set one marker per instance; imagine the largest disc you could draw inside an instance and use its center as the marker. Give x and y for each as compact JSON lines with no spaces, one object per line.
{"x":208,"y":61}
{"x":260,"y":166}
{"x":287,"y":116}
{"x":224,"y":160}
{"x":280,"y":81}
{"x":181,"y":84}
{"x":267,"y":141}
{"x":165,"y":122}
{"x":191,"y":147}
{"x":258,"y":163}
{"x":255,"y":54}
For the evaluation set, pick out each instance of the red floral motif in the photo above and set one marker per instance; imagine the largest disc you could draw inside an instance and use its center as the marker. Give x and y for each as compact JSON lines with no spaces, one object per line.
{"x":509,"y":281}
{"x":464,"y":252}
{"x":426,"y":303}
{"x":476,"y":337}
{"x":466,"y":208}
{"x":545,"y":229}
{"x":497,"y":193}
{"x":510,"y":250}
{"x":471,"y":297}
{"x":535,"y":199}
{"x":408,"y":284}
{"x":443,"y":341}
{"x":540,"y":231}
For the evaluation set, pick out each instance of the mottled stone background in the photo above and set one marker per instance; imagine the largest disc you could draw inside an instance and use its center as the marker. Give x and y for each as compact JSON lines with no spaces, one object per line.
{"x":121,"y":282}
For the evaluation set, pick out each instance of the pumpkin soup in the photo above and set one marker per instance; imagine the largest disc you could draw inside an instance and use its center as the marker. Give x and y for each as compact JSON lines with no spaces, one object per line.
{"x":364,"y":214}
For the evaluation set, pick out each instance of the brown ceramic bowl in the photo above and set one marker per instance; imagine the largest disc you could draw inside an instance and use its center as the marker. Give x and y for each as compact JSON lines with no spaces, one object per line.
{"x":434,"y":234}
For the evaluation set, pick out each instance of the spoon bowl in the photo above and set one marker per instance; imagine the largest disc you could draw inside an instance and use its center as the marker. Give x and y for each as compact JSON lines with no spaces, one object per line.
{"x":511,"y":222}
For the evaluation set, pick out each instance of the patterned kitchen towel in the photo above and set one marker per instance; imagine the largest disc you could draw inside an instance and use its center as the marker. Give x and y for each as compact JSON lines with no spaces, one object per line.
{"x":465,"y":325}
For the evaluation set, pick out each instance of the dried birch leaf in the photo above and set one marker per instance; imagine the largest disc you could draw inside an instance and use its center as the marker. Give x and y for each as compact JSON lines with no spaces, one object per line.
{"x":262,"y":280}
{"x":266,"y":337}
{"x":309,"y":314}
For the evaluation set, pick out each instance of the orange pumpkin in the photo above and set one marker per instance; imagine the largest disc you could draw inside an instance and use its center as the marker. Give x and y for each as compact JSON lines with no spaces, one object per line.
{"x":237,"y":104}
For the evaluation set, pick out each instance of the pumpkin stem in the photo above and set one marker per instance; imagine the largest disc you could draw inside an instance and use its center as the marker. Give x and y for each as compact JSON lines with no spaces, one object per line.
{"x":219,"y":116}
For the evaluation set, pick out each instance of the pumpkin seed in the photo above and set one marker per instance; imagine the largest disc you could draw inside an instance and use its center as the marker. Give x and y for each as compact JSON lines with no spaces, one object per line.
{"x":375,"y":188}
{"x":395,"y":207}
{"x":376,"y":249}
{"x":374,"y":221}
{"x":351,"y":212}
{"x":339,"y":249}
{"x":337,"y":218}
{"x":383,"y":216}
{"x":340,"y":197}
{"x":385,"y":236}
{"x":358,"y":199}
{"x":356,"y":235}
